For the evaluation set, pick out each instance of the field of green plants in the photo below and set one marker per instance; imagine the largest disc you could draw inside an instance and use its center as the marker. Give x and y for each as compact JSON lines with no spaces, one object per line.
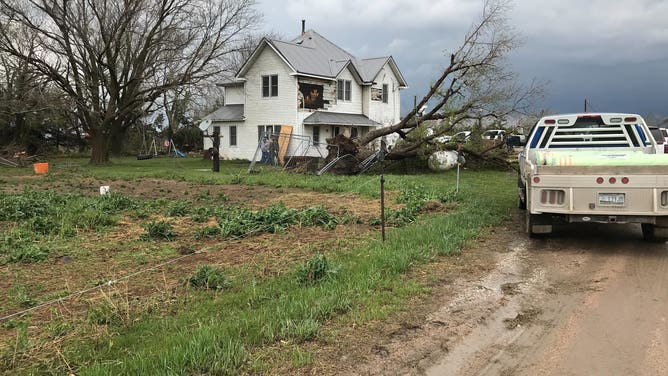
{"x":182,"y":271}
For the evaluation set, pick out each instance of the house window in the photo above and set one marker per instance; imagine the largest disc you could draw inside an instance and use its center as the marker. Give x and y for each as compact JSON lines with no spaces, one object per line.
{"x":316,"y":135}
{"x":216,"y":130}
{"x":343,"y":89}
{"x":270,"y":86}
{"x":385,"y":93}
{"x":233,"y":135}
{"x":337,"y":130}
{"x":267,"y":130}
{"x":353,"y":132}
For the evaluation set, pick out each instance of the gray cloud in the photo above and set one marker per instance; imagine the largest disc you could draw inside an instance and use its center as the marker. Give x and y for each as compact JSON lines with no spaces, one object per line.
{"x":614,"y":52}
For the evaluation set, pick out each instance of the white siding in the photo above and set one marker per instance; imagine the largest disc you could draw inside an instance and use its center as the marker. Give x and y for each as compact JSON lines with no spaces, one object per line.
{"x":354,"y":105}
{"x":234,"y":95}
{"x":386,"y":113}
{"x":280,"y":110}
{"x":226,"y":151}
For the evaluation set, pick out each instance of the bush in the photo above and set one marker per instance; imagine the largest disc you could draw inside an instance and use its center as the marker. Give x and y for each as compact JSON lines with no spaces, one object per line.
{"x":158,"y":230}
{"x":208,"y":277}
{"x":315,"y":269}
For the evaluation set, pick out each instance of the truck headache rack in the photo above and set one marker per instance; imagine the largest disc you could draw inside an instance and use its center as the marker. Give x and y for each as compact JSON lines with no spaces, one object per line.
{"x":613,"y":135}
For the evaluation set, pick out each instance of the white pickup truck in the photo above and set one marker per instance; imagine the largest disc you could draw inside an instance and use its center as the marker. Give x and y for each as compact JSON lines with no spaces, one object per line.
{"x":599,"y":168}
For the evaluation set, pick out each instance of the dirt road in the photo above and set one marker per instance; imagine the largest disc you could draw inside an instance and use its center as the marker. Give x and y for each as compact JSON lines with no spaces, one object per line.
{"x":589,"y":300}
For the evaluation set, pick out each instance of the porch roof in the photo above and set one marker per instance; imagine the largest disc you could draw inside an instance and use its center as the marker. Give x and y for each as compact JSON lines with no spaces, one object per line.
{"x":338,"y":118}
{"x":231,"y":112}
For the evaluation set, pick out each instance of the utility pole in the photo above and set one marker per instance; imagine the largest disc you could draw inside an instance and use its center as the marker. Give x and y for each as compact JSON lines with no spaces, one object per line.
{"x":585,"y":104}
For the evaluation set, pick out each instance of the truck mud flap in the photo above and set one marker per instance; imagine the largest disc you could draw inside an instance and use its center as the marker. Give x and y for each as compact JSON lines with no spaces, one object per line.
{"x":539,"y":224}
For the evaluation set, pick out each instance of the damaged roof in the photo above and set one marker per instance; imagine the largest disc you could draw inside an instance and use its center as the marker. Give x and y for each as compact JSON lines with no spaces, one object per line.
{"x":313,"y":54}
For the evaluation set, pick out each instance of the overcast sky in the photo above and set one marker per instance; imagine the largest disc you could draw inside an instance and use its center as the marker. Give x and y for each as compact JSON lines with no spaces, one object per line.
{"x":612,"y":52}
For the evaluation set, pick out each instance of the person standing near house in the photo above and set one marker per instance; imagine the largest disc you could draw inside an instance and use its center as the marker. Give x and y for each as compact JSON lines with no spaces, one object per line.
{"x":264,"y":147}
{"x":273,"y":151}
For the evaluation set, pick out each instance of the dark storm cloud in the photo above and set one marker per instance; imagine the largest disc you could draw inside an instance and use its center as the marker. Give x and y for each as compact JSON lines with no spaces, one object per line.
{"x":614,"y":53}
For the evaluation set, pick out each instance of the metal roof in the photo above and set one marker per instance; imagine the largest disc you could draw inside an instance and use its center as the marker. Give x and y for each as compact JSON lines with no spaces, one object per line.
{"x":313,"y":54}
{"x":231,"y":112}
{"x":338,"y":118}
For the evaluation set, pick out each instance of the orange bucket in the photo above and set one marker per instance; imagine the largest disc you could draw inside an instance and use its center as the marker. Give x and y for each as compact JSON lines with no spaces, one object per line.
{"x":41,"y":168}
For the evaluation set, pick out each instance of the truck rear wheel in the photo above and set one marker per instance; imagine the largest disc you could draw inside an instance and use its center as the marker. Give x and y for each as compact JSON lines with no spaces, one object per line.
{"x":653,"y":233}
{"x":521,"y":194}
{"x":647,"y":231}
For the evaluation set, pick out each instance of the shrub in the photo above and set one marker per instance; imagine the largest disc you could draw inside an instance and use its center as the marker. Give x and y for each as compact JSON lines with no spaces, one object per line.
{"x":315,"y":269}
{"x":158,"y":230}
{"x":208,"y":277}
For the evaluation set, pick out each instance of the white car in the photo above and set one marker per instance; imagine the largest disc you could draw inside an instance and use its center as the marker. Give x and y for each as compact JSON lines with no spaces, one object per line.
{"x":462,"y":136}
{"x":494,"y":134}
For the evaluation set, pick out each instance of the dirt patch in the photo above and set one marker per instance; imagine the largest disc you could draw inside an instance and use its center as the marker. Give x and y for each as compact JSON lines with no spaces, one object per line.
{"x":522,"y":318}
{"x":409,"y":340}
{"x":252,"y":197}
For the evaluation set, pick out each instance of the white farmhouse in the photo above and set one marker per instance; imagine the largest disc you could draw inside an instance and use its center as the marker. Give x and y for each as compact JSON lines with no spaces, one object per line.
{"x":309,"y":88}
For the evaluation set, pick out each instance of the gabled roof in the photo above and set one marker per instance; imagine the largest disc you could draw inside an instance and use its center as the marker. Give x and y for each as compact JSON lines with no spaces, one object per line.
{"x":339,"y":118}
{"x":231,"y":112}
{"x":312,"y":54}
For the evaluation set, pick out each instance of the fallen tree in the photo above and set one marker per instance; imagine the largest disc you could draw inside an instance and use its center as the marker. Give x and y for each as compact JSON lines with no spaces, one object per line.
{"x":475,"y":87}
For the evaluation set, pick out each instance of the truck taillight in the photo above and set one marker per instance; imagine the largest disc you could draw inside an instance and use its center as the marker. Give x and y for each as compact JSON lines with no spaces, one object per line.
{"x":664,"y":198}
{"x":552,"y":197}
{"x":600,"y":180}
{"x":536,"y":179}
{"x":625,"y":180}
{"x":665,"y":148}
{"x":612,"y":180}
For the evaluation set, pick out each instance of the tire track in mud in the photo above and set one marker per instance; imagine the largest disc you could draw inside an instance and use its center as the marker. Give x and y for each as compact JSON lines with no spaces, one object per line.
{"x":588,"y":300}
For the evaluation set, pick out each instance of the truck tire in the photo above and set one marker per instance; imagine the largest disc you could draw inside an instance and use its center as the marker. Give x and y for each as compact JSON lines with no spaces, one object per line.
{"x":649,"y":233}
{"x":521,"y":194}
{"x":530,"y":219}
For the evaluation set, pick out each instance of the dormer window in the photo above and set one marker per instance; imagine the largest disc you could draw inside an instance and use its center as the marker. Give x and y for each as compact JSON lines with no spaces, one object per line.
{"x":344,"y":90}
{"x":270,"y":86}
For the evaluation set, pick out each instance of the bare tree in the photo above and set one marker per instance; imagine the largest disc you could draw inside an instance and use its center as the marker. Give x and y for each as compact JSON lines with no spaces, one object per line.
{"x":474,"y":86}
{"x":116,"y":58}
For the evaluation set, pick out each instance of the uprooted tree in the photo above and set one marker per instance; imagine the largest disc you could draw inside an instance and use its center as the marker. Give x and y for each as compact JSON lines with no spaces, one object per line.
{"x":115,"y":58}
{"x":475,"y":86}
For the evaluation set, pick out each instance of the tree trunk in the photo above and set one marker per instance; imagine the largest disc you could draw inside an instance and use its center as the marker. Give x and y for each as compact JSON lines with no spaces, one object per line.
{"x":100,"y":145}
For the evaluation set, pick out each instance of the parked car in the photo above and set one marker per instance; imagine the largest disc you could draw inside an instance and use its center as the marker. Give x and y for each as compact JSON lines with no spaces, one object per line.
{"x":462,"y":136}
{"x":494,"y":134}
{"x":660,"y":137}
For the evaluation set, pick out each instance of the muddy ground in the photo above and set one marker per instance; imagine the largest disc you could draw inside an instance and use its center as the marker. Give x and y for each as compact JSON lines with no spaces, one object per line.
{"x":589,"y":300}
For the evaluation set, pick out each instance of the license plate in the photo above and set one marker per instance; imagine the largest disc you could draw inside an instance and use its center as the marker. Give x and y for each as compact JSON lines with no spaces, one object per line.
{"x":611,"y":198}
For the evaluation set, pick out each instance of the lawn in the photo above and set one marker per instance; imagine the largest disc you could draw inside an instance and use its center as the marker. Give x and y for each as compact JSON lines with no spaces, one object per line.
{"x":184,"y":271}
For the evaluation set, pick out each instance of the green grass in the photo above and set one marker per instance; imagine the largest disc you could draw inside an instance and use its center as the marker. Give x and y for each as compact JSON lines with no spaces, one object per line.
{"x":218,"y":332}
